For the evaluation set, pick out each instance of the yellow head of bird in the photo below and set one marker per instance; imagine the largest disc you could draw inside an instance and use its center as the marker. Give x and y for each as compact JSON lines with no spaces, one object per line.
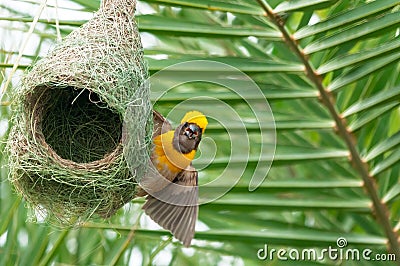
{"x":196,"y":117}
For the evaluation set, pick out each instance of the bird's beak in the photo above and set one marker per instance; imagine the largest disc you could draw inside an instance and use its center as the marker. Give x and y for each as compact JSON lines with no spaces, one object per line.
{"x":192,"y":131}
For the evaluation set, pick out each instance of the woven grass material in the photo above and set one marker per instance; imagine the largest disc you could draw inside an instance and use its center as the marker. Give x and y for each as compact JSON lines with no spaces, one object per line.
{"x":67,"y":156}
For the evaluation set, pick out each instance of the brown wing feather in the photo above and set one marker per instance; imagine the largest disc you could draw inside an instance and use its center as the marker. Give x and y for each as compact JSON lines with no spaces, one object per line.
{"x":175,"y":208}
{"x":160,"y":124}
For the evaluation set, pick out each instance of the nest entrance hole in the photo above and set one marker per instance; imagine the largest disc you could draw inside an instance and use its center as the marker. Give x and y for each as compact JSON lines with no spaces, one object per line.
{"x":77,"y":125}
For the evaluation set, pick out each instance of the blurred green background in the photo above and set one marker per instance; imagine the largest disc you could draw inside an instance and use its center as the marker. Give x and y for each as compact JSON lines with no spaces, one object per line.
{"x":330,"y":71}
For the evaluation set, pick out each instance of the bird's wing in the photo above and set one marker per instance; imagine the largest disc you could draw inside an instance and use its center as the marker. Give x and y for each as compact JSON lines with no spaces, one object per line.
{"x":175,"y":207}
{"x":160,"y":124}
{"x":153,"y":178}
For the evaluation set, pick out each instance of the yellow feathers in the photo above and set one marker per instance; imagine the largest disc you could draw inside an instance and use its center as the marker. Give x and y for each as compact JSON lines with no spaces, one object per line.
{"x":197,"y":118}
{"x":168,"y":160}
{"x":168,"y":156}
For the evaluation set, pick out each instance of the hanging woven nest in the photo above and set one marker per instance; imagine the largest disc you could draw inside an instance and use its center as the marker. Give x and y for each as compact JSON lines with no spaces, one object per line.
{"x":67,"y":156}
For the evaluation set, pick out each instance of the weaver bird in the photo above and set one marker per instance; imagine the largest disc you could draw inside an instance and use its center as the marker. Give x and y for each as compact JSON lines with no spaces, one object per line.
{"x":172,"y":193}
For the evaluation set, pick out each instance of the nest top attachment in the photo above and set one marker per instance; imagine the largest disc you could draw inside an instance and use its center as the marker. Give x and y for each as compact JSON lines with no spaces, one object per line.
{"x":66,"y":152}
